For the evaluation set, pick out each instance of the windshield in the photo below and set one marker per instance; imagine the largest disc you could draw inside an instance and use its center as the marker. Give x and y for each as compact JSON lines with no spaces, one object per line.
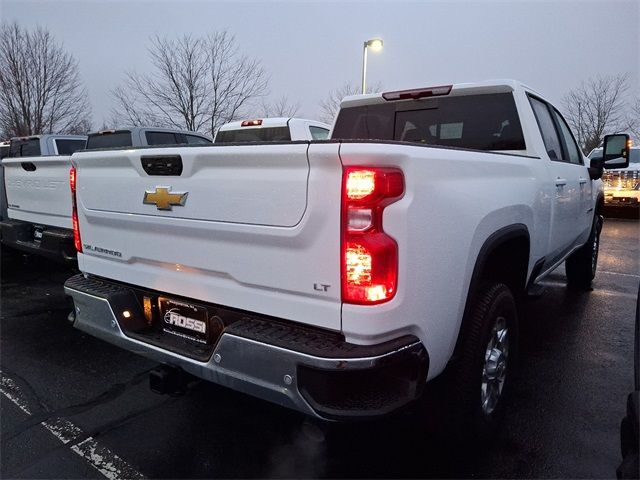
{"x":480,"y":122}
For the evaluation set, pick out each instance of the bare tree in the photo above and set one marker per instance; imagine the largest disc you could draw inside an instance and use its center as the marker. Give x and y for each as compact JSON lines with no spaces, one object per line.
{"x":596,"y":108}
{"x":175,"y":93}
{"x":236,"y":79}
{"x":633,"y":120}
{"x":197,"y":83}
{"x":329,"y":107}
{"x":280,"y":107}
{"x":40,"y":87}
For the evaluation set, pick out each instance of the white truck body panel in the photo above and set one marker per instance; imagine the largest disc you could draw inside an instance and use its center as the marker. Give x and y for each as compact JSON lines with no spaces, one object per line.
{"x":243,"y":238}
{"x":42,"y":196}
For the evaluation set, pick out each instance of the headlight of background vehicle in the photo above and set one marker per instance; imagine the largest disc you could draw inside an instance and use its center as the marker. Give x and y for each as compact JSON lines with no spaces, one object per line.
{"x":626,"y":180}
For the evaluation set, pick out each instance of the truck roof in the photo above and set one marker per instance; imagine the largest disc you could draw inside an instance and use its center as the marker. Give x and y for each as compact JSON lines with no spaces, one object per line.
{"x":50,"y":135}
{"x":270,"y":122}
{"x":486,"y":86}
{"x":135,"y":130}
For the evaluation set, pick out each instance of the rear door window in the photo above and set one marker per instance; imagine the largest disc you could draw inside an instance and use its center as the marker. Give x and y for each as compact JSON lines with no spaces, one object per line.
{"x":573,"y":152}
{"x":67,"y":147}
{"x":267,"y":134}
{"x":110,"y":140}
{"x":547,"y":129}
{"x":479,"y":122}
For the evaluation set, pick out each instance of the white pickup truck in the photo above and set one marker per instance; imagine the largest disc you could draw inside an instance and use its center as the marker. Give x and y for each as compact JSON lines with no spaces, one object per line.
{"x":338,"y":277}
{"x":38,"y":217}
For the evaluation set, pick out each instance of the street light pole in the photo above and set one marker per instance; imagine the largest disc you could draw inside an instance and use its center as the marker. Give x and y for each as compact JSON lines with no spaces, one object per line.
{"x":364,"y":68}
{"x":375,"y":44}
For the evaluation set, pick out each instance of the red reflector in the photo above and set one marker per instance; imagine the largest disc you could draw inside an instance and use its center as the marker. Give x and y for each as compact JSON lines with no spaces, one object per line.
{"x":73,"y":177}
{"x":72,"y":180}
{"x":251,"y":123}
{"x":76,"y":233}
{"x":418,"y":93}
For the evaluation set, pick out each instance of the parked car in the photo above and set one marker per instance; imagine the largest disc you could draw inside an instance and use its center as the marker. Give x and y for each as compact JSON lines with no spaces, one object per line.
{"x":272,"y":130}
{"x":622,"y":185}
{"x":144,"y":136}
{"x":38,"y":218}
{"x":337,"y":278}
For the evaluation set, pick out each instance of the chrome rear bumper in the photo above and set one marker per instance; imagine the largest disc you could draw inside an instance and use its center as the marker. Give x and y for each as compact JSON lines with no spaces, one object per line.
{"x":318,"y":374}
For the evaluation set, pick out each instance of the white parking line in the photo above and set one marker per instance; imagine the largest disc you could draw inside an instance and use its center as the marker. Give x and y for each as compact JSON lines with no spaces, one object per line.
{"x":99,"y":457}
{"x":618,"y":273}
{"x":595,"y":291}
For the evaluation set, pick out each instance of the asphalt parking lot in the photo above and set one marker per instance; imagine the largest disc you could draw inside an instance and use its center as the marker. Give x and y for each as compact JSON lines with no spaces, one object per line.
{"x":75,"y":407}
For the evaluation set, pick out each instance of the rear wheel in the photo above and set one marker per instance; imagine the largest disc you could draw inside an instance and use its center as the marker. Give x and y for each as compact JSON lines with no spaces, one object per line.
{"x":479,"y":378}
{"x":582,"y":264}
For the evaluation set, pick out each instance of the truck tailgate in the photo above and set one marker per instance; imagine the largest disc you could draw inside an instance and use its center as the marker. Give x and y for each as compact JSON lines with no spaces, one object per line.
{"x":236,"y":227}
{"x":38,"y":190}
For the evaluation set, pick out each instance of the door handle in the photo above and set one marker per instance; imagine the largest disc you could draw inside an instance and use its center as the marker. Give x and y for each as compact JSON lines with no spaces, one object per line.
{"x":582,"y":180}
{"x":561,"y":182}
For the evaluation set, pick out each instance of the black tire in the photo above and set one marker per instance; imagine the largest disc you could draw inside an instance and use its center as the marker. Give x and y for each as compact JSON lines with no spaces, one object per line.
{"x":582,"y":264}
{"x":469,"y":417}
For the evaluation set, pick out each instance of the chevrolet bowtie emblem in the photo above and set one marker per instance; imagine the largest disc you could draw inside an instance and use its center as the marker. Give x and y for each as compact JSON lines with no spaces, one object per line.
{"x":163,"y":199}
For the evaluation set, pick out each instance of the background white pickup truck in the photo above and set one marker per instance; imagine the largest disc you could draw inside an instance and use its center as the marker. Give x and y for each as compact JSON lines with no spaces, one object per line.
{"x":338,"y":277}
{"x":37,"y":184}
{"x":622,"y":186}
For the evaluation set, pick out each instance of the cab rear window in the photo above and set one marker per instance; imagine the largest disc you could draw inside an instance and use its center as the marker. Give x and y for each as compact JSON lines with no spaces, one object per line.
{"x":109,"y":140}
{"x":267,"y":134}
{"x":25,"y":148}
{"x":479,"y":122}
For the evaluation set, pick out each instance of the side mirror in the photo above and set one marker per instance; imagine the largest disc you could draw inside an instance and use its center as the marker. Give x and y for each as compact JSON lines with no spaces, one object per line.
{"x":615,"y":151}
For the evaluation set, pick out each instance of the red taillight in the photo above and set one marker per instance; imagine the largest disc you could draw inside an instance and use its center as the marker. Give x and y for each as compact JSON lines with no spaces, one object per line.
{"x":418,"y":93}
{"x":73,"y":176}
{"x":251,"y":123}
{"x":369,"y":256}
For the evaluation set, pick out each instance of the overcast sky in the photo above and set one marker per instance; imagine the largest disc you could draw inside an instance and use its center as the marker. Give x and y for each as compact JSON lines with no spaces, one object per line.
{"x":310,"y":48}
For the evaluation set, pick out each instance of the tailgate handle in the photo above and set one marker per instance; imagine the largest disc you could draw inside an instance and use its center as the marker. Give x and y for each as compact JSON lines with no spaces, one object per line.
{"x":162,"y":164}
{"x":28,"y":166}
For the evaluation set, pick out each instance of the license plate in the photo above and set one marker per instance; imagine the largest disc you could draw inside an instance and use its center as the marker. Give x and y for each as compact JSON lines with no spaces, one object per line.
{"x":37,"y":234}
{"x":184,"y":319}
